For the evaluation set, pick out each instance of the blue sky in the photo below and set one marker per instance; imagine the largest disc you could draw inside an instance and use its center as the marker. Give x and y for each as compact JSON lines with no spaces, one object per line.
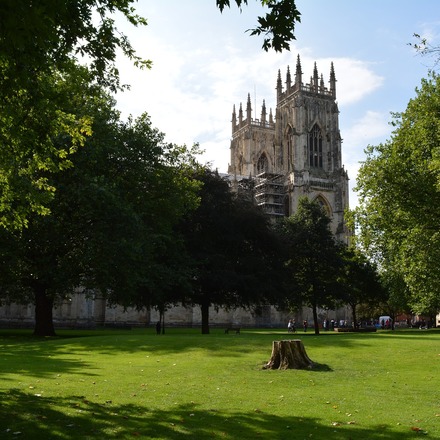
{"x":204,"y":62}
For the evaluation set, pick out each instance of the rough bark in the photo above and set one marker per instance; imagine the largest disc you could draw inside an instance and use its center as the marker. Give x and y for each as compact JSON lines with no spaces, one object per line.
{"x":43,"y":313}
{"x":315,"y":319}
{"x":162,"y":320}
{"x":205,"y":318}
{"x":353,"y":311}
{"x":289,"y":355}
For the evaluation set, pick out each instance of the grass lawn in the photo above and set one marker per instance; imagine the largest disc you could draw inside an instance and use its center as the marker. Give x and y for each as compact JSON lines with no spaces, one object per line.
{"x":123,"y":384}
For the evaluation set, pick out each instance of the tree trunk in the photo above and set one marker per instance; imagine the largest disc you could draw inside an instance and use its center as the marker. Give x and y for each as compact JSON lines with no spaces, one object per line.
{"x":315,"y":319}
{"x":162,"y":317}
{"x":353,"y":313}
{"x":43,"y":313}
{"x":288,"y":355}
{"x":100,"y":306}
{"x":205,"y":317}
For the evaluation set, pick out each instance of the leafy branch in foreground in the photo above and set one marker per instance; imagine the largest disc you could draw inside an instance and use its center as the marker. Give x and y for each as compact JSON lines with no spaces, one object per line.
{"x":278,"y":25}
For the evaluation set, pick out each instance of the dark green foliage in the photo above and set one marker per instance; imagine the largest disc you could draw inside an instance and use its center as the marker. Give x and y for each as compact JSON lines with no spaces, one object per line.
{"x":232,"y":248}
{"x":46,"y":35}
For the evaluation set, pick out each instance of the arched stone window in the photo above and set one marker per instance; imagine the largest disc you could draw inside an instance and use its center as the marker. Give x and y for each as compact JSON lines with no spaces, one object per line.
{"x":315,"y":147}
{"x":262,"y":164}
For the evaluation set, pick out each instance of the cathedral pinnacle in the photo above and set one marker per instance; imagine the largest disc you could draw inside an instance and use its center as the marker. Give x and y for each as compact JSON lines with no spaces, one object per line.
{"x":315,"y":78}
{"x":298,"y":73}
{"x":332,"y":80}
{"x":249,"y":109}
{"x":240,"y":116}
{"x":288,"y":80}
{"x":263,"y":113}
{"x":279,"y":85}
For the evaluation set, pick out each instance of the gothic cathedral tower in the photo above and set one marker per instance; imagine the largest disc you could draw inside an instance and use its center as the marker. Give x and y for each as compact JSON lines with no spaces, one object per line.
{"x":297,"y":154}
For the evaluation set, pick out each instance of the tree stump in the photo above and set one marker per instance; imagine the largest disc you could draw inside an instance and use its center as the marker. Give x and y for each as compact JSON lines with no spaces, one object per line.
{"x":288,"y":355}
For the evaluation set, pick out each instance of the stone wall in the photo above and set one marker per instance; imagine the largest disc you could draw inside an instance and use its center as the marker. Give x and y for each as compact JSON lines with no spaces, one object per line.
{"x":82,"y":311}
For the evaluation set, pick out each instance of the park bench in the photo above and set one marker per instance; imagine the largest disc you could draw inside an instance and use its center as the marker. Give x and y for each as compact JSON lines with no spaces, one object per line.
{"x":233,"y":329}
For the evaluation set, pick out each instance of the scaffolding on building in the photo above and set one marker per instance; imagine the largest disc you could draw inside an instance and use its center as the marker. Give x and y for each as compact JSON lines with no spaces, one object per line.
{"x":269,"y":194}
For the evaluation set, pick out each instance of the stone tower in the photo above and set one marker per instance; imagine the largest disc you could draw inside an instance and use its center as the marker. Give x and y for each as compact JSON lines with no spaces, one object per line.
{"x":297,"y":153}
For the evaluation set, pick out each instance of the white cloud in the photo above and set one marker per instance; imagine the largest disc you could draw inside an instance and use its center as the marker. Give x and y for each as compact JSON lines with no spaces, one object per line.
{"x":373,"y":126}
{"x":355,"y":80}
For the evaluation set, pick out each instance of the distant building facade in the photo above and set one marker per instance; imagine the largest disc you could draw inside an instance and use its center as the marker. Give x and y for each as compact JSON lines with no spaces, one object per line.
{"x":296,"y":153}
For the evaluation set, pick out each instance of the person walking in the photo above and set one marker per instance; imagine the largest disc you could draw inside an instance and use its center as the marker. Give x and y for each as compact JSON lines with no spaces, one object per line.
{"x":291,"y":326}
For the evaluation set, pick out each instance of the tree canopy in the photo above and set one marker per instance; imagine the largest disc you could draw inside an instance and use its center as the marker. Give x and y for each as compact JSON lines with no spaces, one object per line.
{"x":399,"y":199}
{"x":232,"y":249}
{"x":46,"y":35}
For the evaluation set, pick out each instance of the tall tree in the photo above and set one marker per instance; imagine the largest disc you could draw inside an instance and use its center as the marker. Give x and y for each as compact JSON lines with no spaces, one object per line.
{"x":313,"y":259}
{"x":110,"y":216}
{"x":399,"y":199}
{"x":232,"y":249}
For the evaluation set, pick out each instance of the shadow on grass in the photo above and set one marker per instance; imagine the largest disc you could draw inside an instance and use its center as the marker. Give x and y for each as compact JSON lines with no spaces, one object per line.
{"x":39,"y":358}
{"x":31,"y":417}
{"x":317,"y":368}
{"x":44,"y":358}
{"x":60,"y":354}
{"x":138,"y":341}
{"x":321,"y":368}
